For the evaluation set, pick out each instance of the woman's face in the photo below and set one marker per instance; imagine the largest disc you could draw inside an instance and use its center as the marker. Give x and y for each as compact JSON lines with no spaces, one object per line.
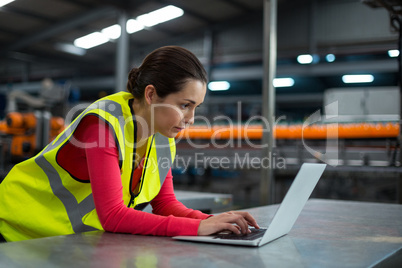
{"x":176,"y":111}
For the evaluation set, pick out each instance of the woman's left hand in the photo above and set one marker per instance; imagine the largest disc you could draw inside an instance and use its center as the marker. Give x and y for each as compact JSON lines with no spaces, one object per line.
{"x":247,"y":216}
{"x":234,"y":221}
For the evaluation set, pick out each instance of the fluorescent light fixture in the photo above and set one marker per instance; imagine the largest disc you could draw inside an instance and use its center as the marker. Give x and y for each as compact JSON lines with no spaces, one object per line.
{"x":91,"y":40}
{"x":5,"y":2}
{"x":134,"y":26}
{"x":161,"y":15}
{"x":112,"y":32}
{"x":70,"y":48}
{"x":330,"y":58}
{"x":393,"y":53}
{"x":218,"y":85}
{"x":284,"y":82}
{"x":357,"y":78}
{"x":305,"y":59}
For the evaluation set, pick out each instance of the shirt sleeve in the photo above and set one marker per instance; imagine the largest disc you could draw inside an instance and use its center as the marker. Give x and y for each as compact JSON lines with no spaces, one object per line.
{"x":166,"y":203}
{"x":107,"y":191}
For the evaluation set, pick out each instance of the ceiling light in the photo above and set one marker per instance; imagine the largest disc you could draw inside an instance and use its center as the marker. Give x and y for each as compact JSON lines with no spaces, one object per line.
{"x":305,"y":59}
{"x":134,"y":26}
{"x":5,"y":2}
{"x":161,"y":15}
{"x":112,"y":32}
{"x":284,"y":82}
{"x":358,"y":78}
{"x":330,"y":58}
{"x":91,"y":40}
{"x":219,"y":85}
{"x":393,"y":53}
{"x":69,"y":48}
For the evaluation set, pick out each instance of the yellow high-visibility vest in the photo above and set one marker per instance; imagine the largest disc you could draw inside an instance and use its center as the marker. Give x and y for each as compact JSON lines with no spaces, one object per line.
{"x":38,"y":198}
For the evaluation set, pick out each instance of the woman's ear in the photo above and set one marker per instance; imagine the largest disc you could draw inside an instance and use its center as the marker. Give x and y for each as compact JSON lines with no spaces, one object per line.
{"x":150,"y":94}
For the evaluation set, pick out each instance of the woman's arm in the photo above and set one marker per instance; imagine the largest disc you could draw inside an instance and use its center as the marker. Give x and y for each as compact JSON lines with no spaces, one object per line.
{"x":165,"y":203}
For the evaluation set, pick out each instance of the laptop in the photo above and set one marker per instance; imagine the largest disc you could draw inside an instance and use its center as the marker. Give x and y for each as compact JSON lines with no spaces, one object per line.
{"x":284,"y":218}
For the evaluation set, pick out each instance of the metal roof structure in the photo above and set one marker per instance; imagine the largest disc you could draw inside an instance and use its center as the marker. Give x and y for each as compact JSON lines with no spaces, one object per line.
{"x":33,"y":32}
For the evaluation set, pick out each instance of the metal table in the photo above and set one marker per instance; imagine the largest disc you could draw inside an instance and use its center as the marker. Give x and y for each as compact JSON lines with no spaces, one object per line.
{"x":328,"y":233}
{"x":206,"y":202}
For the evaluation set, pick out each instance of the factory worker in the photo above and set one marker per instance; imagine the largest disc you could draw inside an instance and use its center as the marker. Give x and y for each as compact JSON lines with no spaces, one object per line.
{"x":113,"y":160}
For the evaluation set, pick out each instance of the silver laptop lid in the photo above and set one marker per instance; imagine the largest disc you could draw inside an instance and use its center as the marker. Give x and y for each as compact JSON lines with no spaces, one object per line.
{"x":294,"y":201}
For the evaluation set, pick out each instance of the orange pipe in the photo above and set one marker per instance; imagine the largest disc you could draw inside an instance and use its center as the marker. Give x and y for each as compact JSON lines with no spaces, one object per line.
{"x":343,"y":131}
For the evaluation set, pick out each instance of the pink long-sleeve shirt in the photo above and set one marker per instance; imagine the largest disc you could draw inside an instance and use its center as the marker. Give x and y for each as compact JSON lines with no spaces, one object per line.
{"x":100,"y":166}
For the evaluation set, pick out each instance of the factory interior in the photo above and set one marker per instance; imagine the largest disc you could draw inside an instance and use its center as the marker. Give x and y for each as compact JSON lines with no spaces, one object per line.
{"x":343,"y":37}
{"x":318,"y":81}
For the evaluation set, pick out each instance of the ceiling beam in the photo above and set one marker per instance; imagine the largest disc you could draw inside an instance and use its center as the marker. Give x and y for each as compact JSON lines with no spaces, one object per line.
{"x":238,"y":5}
{"x":316,"y":70}
{"x":14,"y":10}
{"x":254,"y":72}
{"x":35,"y":56}
{"x":118,"y":4}
{"x":81,"y":4}
{"x":10,"y":32}
{"x":61,"y":27}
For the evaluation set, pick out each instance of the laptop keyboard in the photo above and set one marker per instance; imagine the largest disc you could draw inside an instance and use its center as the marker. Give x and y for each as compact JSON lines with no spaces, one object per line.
{"x":255,"y":233}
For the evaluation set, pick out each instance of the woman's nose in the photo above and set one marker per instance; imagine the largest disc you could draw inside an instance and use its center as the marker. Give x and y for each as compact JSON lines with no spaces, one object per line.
{"x":189,"y":118}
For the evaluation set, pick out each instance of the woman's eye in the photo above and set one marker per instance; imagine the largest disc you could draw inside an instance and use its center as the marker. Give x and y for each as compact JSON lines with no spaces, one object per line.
{"x":184,"y":106}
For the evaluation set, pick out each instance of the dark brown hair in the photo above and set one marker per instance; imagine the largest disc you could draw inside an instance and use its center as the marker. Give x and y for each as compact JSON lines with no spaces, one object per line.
{"x":167,"y":69}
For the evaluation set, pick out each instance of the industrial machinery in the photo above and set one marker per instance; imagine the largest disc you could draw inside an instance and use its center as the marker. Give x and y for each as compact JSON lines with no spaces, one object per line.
{"x":29,"y":124}
{"x":28,"y":133}
{"x":359,"y":141}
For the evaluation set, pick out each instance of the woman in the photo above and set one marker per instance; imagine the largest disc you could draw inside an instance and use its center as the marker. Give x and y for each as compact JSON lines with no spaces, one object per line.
{"x":113,"y":160}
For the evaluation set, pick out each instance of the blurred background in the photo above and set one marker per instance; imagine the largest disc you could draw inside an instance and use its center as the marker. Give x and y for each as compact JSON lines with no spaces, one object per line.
{"x":58,"y":56}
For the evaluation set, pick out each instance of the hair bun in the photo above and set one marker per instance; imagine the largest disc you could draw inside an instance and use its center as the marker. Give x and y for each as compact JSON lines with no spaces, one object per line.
{"x":132,"y":79}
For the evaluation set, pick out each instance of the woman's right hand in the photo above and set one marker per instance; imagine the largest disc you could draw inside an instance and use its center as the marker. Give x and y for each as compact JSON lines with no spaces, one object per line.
{"x":234,"y":221}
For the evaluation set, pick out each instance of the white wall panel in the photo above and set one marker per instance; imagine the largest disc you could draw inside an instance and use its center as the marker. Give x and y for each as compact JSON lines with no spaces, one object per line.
{"x":351,"y":22}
